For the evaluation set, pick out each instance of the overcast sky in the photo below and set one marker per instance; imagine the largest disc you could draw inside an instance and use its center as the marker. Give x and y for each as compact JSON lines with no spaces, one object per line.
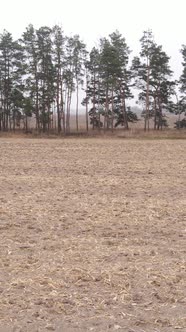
{"x":97,"y":18}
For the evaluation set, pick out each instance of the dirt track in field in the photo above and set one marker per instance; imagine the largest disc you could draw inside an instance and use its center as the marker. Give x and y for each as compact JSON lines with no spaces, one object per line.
{"x":92,"y":235}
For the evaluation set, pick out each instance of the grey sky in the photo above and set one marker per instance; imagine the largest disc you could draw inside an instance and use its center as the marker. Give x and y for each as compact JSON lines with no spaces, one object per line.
{"x":98,"y":18}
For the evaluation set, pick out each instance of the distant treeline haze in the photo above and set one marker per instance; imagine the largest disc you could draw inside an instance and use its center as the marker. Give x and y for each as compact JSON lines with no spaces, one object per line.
{"x":43,"y":71}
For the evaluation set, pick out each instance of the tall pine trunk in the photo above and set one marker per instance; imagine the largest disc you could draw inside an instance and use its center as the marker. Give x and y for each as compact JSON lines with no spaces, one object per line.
{"x":112,"y":125}
{"x":77,"y":104}
{"x":147,"y":99}
{"x":124,"y":111}
{"x":62,"y":107}
{"x":58,"y":105}
{"x":106,"y":109}
{"x":159,"y":114}
{"x":69,"y":97}
{"x":155,"y":113}
{"x":37,"y":96}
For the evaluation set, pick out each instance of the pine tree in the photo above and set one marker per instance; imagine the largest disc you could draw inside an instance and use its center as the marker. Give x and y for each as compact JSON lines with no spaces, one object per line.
{"x":31,"y":50}
{"x":59,"y":63}
{"x":153,"y":79}
{"x":18,"y":88}
{"x":79,"y":56}
{"x":6,"y":67}
{"x":109,"y":82}
{"x":142,"y":67}
{"x":11,"y":82}
{"x":69,"y":76}
{"x":93,"y":88}
{"x":46,"y":75}
{"x":121,"y":79}
{"x":183,"y":76}
{"x":180,"y":106}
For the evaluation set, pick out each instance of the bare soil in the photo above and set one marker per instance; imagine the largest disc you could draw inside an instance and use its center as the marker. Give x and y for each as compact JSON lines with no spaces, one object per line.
{"x":92,"y":235}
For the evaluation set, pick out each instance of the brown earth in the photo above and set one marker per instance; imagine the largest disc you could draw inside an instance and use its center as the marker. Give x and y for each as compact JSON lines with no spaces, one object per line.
{"x":92,"y":235}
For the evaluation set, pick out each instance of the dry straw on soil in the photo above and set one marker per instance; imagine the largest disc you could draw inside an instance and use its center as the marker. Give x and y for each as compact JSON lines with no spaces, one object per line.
{"x":92,"y":235}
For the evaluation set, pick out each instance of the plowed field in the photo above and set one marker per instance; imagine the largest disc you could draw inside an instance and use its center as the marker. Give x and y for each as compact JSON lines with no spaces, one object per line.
{"x":92,"y":235}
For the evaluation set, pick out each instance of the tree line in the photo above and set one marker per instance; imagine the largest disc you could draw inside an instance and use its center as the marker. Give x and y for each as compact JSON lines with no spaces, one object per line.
{"x":43,"y":72}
